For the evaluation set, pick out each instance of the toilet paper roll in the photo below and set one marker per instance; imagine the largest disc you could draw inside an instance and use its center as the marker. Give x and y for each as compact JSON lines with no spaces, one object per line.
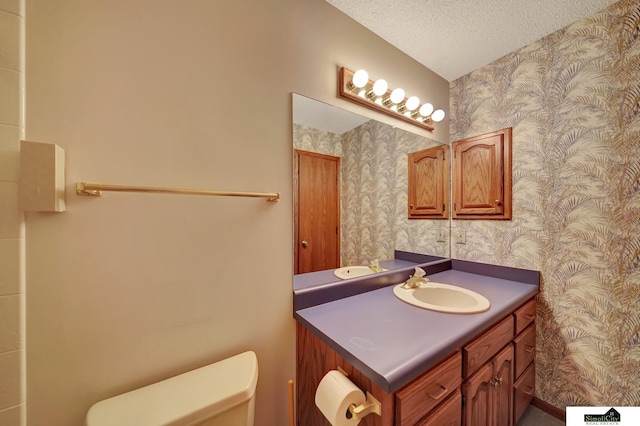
{"x":334,"y":395}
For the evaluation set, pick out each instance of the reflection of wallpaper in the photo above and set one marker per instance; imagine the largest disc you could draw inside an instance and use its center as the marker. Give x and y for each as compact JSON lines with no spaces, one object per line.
{"x":573,"y":100}
{"x":374,"y":191}
{"x":314,"y":140}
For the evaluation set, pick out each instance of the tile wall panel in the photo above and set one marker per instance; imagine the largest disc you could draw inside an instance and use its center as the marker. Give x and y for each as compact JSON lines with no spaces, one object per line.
{"x":10,"y":36}
{"x":10,"y":383}
{"x":10,"y":323}
{"x":12,"y":379}
{"x":9,"y":266}
{"x":9,"y":97}
{"x":11,"y":6}
{"x":9,"y":153}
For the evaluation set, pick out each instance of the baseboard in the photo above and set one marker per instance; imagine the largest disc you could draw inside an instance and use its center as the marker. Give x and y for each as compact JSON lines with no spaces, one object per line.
{"x":556,"y":412}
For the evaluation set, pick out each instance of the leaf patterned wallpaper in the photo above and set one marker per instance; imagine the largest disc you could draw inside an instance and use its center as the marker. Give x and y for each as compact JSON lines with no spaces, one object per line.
{"x":373,"y":212}
{"x":573,"y":100}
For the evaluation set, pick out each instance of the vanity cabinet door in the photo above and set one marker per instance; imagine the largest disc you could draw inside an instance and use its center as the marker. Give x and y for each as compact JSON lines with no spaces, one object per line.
{"x":482,"y":176}
{"x":428,"y":184}
{"x":476,"y":394}
{"x":502,"y":387}
{"x":488,"y":394}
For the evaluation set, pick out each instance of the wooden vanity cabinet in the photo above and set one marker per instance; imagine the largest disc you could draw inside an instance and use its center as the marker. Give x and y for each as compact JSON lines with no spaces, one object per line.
{"x":488,"y":382}
{"x":481,"y":176}
{"x":498,"y":371}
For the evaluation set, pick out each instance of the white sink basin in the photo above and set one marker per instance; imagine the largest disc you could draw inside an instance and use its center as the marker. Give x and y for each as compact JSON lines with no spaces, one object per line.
{"x":443,"y":298}
{"x":347,"y":272}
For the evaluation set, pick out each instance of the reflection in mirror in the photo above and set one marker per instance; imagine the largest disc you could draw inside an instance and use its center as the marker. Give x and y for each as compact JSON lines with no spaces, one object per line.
{"x":371,"y":217}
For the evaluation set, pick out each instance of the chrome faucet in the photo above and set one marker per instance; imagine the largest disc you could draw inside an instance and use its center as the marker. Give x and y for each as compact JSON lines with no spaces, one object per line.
{"x":416,"y":279}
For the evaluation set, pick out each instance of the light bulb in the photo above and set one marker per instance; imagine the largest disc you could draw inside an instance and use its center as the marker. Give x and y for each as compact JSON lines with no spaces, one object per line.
{"x":412,"y":103}
{"x":426,"y":110}
{"x":438,"y":115}
{"x":397,"y":96}
{"x":360,"y":79}
{"x":380,"y":87}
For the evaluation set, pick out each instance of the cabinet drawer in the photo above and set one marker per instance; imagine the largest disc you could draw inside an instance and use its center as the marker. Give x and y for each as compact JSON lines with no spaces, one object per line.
{"x":447,"y":414}
{"x":416,"y":399}
{"x":525,"y":315}
{"x":523,"y":392}
{"x":484,"y":347}
{"x":525,"y":348}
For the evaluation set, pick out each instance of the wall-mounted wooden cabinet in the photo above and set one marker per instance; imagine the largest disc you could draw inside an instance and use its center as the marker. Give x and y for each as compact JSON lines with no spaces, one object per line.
{"x":482,"y":176}
{"x":428,"y":192}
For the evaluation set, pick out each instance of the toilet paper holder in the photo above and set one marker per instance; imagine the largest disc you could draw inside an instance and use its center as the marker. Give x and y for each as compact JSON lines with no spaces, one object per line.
{"x":371,"y":405}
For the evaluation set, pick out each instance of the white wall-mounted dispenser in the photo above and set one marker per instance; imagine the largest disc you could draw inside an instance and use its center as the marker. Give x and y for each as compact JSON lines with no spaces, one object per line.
{"x":42,"y":182}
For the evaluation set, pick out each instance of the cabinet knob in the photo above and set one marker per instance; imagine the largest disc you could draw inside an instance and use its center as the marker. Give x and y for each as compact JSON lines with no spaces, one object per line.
{"x":305,"y":243}
{"x":496,"y":382}
{"x":498,"y":202}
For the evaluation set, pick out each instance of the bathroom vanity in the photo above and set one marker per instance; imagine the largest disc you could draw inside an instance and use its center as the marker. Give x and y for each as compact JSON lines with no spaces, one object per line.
{"x":425,"y":367}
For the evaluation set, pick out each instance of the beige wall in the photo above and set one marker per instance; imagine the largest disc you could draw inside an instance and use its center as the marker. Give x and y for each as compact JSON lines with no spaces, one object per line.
{"x":128,"y":289}
{"x":573,"y":100}
{"x":12,"y":345}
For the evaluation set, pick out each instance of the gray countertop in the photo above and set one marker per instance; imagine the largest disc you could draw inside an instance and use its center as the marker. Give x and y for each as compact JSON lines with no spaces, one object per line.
{"x":392,"y":342}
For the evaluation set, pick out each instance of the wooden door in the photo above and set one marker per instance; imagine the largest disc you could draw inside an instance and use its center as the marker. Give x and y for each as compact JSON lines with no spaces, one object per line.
{"x":482,"y":176}
{"x":316,"y":212}
{"x":428,"y":179}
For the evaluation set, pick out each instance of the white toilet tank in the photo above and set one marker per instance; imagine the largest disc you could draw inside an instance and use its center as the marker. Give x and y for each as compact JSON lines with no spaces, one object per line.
{"x":218,"y":394}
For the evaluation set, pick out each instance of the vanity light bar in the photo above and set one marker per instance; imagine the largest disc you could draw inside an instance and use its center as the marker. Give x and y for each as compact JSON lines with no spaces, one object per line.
{"x":356,"y":87}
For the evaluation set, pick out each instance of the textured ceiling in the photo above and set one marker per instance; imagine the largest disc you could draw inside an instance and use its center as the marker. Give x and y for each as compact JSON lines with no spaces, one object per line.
{"x":454,"y":37}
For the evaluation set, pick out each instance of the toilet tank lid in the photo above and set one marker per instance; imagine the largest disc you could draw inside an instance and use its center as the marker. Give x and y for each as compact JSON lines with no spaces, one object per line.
{"x":193,"y":396}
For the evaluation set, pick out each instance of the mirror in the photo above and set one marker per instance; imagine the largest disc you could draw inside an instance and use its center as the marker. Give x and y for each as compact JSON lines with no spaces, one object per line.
{"x":372,"y":181}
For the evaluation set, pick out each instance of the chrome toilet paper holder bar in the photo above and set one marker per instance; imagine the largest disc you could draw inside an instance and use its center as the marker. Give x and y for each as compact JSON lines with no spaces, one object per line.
{"x":371,"y":405}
